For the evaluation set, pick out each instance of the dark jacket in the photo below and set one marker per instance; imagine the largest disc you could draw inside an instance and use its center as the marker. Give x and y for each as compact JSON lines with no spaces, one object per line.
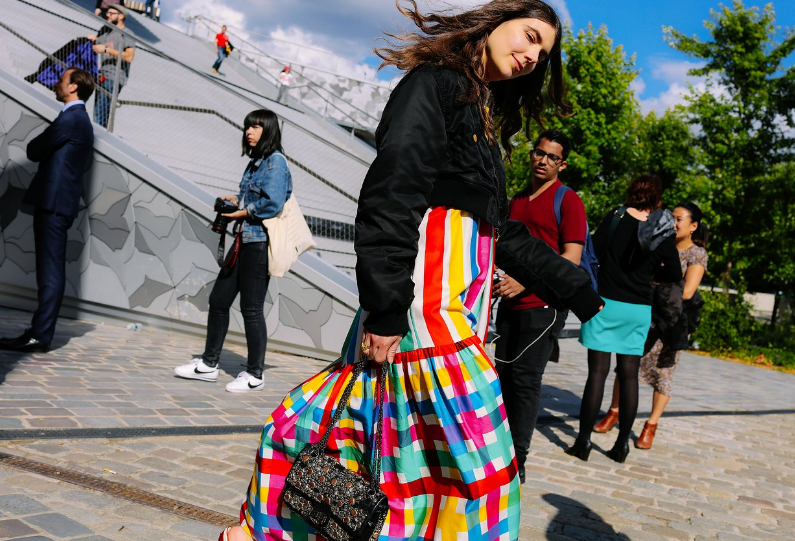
{"x":625,"y":268}
{"x":673,"y":321}
{"x":63,"y":151}
{"x":432,"y":151}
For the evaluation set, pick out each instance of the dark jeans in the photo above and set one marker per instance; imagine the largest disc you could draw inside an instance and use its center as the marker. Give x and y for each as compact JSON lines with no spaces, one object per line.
{"x":250,"y":278}
{"x":221,"y":56}
{"x":50,"y":235}
{"x":521,"y":379}
{"x":102,"y":102}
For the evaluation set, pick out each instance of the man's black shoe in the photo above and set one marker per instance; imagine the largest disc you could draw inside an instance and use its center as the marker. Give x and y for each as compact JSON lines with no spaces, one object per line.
{"x":16,"y":340}
{"x":25,"y":344}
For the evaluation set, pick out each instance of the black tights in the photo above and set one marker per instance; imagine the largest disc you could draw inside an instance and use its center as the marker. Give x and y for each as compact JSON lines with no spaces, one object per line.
{"x":598,"y":368}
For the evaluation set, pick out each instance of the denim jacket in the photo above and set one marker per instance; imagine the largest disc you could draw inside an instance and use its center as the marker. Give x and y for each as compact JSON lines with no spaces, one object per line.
{"x":265,"y":187}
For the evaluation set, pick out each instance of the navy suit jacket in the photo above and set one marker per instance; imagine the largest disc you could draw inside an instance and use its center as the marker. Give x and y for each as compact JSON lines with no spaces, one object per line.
{"x":63,"y":151}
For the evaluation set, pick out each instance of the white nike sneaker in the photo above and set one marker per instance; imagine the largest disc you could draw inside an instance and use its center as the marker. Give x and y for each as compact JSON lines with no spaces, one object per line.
{"x":196,"y":369}
{"x":244,"y":383}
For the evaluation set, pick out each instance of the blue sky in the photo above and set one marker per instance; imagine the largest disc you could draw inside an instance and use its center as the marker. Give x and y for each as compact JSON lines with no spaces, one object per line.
{"x":349,"y":28}
{"x":637,"y":25}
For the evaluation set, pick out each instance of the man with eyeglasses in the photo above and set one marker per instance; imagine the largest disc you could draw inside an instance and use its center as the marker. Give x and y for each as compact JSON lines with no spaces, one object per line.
{"x":527,"y":327}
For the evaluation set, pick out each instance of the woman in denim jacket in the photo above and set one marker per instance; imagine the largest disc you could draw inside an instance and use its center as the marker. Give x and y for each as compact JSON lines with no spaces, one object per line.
{"x":265,"y":187}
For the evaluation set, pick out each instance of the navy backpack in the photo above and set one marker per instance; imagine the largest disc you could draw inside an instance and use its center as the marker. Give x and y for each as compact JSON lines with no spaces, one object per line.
{"x":588,"y":261}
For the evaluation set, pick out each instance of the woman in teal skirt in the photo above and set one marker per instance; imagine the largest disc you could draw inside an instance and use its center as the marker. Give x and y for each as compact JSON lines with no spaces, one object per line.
{"x":634,"y":242}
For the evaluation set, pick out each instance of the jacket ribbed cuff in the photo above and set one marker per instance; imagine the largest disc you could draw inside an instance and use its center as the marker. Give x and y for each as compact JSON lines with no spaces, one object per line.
{"x":387,"y":324}
{"x":585,"y":303}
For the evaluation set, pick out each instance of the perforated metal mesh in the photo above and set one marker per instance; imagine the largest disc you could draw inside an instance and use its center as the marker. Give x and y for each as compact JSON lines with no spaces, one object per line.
{"x":190,"y":120}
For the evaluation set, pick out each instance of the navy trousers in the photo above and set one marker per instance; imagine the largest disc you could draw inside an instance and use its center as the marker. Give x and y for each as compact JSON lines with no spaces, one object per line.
{"x":50,"y":234}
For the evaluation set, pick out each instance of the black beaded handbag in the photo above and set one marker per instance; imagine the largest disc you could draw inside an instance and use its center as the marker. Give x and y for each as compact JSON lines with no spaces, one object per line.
{"x":338,"y":503}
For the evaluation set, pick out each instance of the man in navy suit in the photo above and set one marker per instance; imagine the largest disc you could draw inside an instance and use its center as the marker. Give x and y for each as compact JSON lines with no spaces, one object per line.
{"x":62,"y":151}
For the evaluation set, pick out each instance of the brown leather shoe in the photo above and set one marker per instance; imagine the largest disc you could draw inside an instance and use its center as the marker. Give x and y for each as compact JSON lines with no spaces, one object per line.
{"x":646,"y":436}
{"x":606,"y":424}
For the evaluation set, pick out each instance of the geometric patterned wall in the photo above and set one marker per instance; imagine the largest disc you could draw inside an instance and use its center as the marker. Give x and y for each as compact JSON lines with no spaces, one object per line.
{"x":135,"y":248}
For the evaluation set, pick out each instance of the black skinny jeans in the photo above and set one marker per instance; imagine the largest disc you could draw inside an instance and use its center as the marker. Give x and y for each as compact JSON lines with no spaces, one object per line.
{"x":250,"y":278}
{"x":521,"y":379}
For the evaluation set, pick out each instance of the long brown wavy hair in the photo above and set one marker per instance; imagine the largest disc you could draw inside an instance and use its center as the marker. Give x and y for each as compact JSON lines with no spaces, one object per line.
{"x":458,"y":42}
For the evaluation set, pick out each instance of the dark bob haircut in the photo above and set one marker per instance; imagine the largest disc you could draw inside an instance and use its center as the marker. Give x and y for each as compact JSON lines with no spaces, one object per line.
{"x":271,"y":139}
{"x":645,"y":193}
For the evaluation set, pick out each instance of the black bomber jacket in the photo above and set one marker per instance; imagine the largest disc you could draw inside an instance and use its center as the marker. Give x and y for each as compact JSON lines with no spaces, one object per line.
{"x":433,"y":151}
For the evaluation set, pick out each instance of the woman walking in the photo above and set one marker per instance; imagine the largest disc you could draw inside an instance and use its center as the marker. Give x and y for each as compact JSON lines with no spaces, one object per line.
{"x":657,"y":367}
{"x":634,"y":242}
{"x":430,"y":207}
{"x":264,"y":188}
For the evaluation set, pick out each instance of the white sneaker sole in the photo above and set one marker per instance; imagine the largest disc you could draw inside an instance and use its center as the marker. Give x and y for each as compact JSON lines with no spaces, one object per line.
{"x":249,"y":390}
{"x":201,"y":377}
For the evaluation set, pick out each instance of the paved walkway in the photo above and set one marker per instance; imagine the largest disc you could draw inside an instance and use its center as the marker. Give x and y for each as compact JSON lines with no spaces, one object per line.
{"x":722,"y":466}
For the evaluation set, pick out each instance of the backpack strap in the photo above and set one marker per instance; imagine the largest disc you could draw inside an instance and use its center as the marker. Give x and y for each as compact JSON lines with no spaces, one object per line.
{"x":560,"y":193}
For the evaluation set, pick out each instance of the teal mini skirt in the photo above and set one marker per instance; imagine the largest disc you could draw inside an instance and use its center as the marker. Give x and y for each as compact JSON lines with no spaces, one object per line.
{"x":620,"y":327}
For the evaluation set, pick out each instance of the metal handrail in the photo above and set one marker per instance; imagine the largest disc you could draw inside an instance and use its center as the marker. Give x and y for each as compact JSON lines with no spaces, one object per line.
{"x":216,"y":24}
{"x":226,"y":86}
{"x":311,"y":84}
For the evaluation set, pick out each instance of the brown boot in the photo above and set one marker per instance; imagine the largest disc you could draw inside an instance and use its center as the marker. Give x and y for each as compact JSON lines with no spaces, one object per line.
{"x":646,"y":436}
{"x":606,"y":424}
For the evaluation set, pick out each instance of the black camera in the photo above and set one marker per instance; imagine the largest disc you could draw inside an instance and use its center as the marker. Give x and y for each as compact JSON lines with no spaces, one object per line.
{"x":222,"y":207}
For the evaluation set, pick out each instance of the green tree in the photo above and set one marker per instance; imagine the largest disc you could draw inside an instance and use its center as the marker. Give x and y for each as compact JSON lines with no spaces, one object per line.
{"x":740,"y":119}
{"x":603,"y":129}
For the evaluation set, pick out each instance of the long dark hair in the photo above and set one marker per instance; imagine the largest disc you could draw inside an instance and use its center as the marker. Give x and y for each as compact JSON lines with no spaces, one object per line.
{"x":458,"y":41}
{"x":701,"y":235}
{"x":644,"y":193}
{"x":271,"y":139}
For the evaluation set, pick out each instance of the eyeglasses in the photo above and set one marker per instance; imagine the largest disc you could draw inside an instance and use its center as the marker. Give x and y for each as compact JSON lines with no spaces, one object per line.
{"x":539,"y":154}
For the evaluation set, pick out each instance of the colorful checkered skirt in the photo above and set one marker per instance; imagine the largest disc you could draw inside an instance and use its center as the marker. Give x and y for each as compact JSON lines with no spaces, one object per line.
{"x":448,"y":464}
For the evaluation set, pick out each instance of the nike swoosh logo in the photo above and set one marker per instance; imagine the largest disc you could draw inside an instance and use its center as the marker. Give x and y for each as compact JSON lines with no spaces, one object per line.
{"x":196,"y":371}
{"x":250,"y":386}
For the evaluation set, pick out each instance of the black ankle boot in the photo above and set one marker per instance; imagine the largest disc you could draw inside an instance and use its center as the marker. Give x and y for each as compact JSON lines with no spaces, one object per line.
{"x":619,"y":451}
{"x":580,"y":449}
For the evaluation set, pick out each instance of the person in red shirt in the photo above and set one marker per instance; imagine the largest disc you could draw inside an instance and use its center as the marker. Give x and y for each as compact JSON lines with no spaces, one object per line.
{"x":221,"y":39}
{"x":527,"y":327}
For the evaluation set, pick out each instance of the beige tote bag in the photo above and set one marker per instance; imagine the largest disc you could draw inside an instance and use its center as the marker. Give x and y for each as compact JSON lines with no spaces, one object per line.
{"x":288,"y":238}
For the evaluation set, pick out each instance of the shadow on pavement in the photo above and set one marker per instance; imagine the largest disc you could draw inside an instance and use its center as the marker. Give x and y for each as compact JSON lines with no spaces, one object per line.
{"x":576,"y":520}
{"x":64,"y":334}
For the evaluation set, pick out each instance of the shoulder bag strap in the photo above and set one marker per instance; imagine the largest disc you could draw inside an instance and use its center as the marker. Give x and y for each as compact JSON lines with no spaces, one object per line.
{"x":617,"y":216}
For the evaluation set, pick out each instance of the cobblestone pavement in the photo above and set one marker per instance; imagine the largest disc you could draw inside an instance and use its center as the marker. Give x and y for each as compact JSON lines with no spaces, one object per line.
{"x":722,"y":466}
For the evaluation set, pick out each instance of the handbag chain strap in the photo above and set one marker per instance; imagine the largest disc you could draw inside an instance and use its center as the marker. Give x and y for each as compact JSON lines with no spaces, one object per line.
{"x":377,"y":441}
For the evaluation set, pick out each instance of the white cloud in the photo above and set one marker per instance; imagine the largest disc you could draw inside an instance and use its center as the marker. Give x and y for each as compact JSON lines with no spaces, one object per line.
{"x":638,"y":86}
{"x":345,"y":27}
{"x":296,"y":45}
{"x":212,"y":9}
{"x":563,"y":11}
{"x":675,"y":74}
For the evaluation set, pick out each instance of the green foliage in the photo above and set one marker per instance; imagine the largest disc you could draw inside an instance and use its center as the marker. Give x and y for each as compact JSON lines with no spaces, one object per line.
{"x":727,"y":328}
{"x":603,"y":130}
{"x":726,"y":324}
{"x":729,"y":149}
{"x":739,"y":121}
